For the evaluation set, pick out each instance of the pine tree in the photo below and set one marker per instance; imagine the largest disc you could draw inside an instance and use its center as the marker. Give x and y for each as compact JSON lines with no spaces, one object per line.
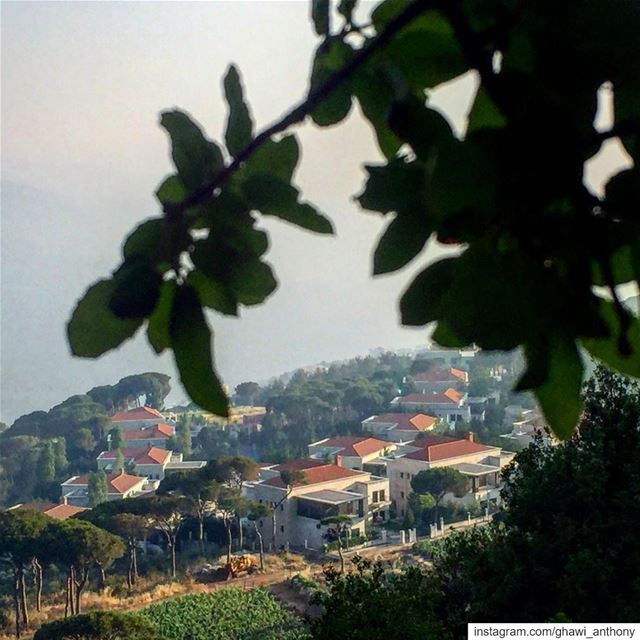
{"x":118,"y":465}
{"x":97,"y":488}
{"x":60,"y":456}
{"x":46,"y":464}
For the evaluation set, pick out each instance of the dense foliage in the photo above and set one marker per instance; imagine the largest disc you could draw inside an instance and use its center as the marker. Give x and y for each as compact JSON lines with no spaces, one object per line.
{"x":98,"y":625}
{"x":566,"y":543}
{"x":227,"y":613}
{"x":509,"y":191}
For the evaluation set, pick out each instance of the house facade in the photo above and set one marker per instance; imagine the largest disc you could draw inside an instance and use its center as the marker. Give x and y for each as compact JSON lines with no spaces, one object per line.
{"x":351,"y":452}
{"x":137,"y":418}
{"x":398,"y":427}
{"x":325,"y":490}
{"x":440,"y":379}
{"x":449,"y":405}
{"x":155,"y":435}
{"x":75,"y":490}
{"x":480,"y":463}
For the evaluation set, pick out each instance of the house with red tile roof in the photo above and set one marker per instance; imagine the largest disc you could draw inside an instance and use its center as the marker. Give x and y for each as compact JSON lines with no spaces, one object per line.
{"x":155,"y":435}
{"x":440,"y":379}
{"x":352,"y":452}
{"x":398,"y":427}
{"x":60,"y":511}
{"x":137,"y":418}
{"x":481,"y":464}
{"x":120,"y":485}
{"x":153,"y":462}
{"x":449,"y":405}
{"x":319,"y":490}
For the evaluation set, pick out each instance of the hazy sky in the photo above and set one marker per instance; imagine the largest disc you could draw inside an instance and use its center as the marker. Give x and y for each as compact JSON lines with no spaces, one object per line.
{"x":82,"y":86}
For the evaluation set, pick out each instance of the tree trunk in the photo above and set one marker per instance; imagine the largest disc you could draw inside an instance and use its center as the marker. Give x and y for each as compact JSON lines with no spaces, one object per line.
{"x":173,"y":555}
{"x":102,"y":578}
{"x":201,"y":532}
{"x":340,"y":554}
{"x":16,"y":599}
{"x":37,"y":573}
{"x":135,"y":561}
{"x":23,"y":599}
{"x":274,"y":528}
{"x":260,"y":545}
{"x":227,"y":524}
{"x":80,"y":585}
{"x":240,"y":538}
{"x":130,"y":572}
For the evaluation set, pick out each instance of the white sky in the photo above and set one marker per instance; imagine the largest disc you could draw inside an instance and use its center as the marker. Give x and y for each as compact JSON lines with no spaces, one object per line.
{"x":82,"y":86}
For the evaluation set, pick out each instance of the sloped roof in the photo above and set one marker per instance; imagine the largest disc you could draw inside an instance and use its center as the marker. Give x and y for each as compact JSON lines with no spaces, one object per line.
{"x":441,"y":375}
{"x":301,"y":463}
{"x":63,"y":511}
{"x":407,"y":421}
{"x":58,"y":511}
{"x":322,"y":472}
{"x":116,"y":482}
{"x":139,"y":413}
{"x":140,"y":455}
{"x":159,"y":430}
{"x":432,"y":451}
{"x":450,"y":396}
{"x":358,"y":446}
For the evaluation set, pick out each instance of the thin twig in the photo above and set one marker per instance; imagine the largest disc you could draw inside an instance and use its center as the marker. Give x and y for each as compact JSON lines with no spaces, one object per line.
{"x":304,"y":108}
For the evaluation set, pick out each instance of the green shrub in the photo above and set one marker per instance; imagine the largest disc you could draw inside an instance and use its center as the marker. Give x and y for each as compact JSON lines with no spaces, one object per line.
{"x":98,"y":625}
{"x":224,"y":615}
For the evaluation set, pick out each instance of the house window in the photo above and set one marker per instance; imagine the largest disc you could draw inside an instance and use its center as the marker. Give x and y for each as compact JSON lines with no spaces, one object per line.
{"x":375,"y":496}
{"x":281,"y":507}
{"x":382,"y":495}
{"x":261,"y":523}
{"x":402,"y":496}
{"x":282,"y":528}
{"x":401,"y":474}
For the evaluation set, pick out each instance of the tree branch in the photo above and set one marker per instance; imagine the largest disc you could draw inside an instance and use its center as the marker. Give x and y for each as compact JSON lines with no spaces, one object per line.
{"x":304,"y":108}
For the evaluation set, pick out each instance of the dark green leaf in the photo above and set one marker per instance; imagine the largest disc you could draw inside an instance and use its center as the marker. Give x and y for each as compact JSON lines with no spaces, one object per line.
{"x":607,"y":349}
{"x":623,"y":195}
{"x":213,"y":293}
{"x":423,"y":128}
{"x":427,"y":52}
{"x":484,"y":114}
{"x":320,"y":16}
{"x":191,"y":342}
{"x":392,"y":186}
{"x":239,"y":126}
{"x":196,"y":158}
{"x":402,"y":240}
{"x":278,"y":158}
{"x":346,"y":7}
{"x":253,"y":282}
{"x":375,"y":93}
{"x":137,"y":289}
{"x":332,"y":55}
{"x":422,"y":302}
{"x":149,"y":241}
{"x":274,"y":197}
{"x":559,"y":396}
{"x":445,"y":337}
{"x":158,"y":326}
{"x":93,"y":329}
{"x":171,"y":191}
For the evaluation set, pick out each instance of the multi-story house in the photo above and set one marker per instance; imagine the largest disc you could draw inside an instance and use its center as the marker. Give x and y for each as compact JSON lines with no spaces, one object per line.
{"x":351,"y":452}
{"x":479,"y":462}
{"x":75,"y":490}
{"x":449,"y":405}
{"x":440,"y":379}
{"x":398,"y":427}
{"x":322,"y":491}
{"x":152,"y":462}
{"x":155,"y":435}
{"x":137,"y":418}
